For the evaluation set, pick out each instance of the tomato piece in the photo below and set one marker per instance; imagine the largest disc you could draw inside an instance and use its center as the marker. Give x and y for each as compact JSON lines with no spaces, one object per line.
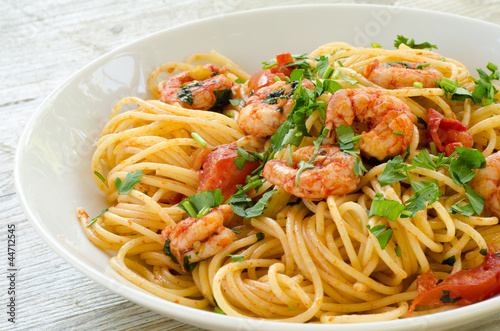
{"x":446,"y":133}
{"x":219,"y":171}
{"x":283,"y":59}
{"x":462,"y":288}
{"x":266,"y":77}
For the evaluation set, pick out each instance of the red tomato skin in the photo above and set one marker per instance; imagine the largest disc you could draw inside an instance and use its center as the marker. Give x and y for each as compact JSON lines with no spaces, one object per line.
{"x":219,"y":171}
{"x":447,"y":133}
{"x":470,"y":286}
{"x":266,"y":77}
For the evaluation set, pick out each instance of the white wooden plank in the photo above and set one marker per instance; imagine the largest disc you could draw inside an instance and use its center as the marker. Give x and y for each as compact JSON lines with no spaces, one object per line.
{"x":41,"y":44}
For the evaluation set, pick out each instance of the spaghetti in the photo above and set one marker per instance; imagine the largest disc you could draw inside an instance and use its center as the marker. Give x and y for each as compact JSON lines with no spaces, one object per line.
{"x":332,"y":259}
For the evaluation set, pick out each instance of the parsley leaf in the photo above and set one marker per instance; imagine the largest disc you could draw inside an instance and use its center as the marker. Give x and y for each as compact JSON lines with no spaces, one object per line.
{"x":425,"y":193}
{"x":97,"y":217}
{"x":219,"y":311}
{"x":260,"y":236}
{"x":347,"y":79}
{"x":309,"y":164}
{"x":383,"y":236}
{"x":244,"y":157}
{"x":453,"y":90}
{"x":393,"y":171}
{"x":201,"y":201}
{"x":236,"y":258}
{"x":168,"y":252}
{"x":423,"y":160}
{"x":235,"y":102}
{"x":476,"y":201}
{"x":185,"y":95}
{"x":346,"y":141}
{"x":404,"y":64}
{"x":484,"y":90}
{"x":411,"y":43}
{"x":461,"y":167}
{"x":100,"y":176}
{"x":222,"y":99}
{"x":398,"y":251}
{"x":385,"y":208}
{"x":131,"y":180}
{"x":246,"y":207}
{"x":189,"y":267}
{"x":445,"y":298}
{"x":359,"y":168}
{"x":465,"y":209}
{"x":450,"y":261}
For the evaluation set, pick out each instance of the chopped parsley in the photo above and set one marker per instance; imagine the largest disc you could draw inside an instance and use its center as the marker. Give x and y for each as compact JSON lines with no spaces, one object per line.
{"x":131,"y":180}
{"x":411,"y":43}
{"x":199,"y":139}
{"x":236,"y":258}
{"x":398,"y":251}
{"x":346,"y":141}
{"x":222,"y":99}
{"x":199,"y":204}
{"x":260,"y":236}
{"x":168,"y":252}
{"x":382,"y":234}
{"x":450,"y":261}
{"x":484,"y":91}
{"x":185,"y":95}
{"x":445,"y":298}
{"x":100,"y":176}
{"x":385,"y":208}
{"x":97,"y":217}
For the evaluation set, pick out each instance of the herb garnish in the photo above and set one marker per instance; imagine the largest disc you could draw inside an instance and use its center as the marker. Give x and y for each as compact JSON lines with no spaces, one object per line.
{"x":411,"y":43}
{"x":445,"y":298}
{"x":450,"y":261}
{"x":185,"y":95}
{"x":100,"y":176}
{"x":381,"y":233}
{"x":236,"y":258}
{"x":222,"y":99}
{"x":260,"y":236}
{"x":346,"y":141}
{"x":97,"y":217}
{"x":131,"y":180}
{"x":484,"y":91}
{"x":168,"y":252}
{"x":460,"y":170}
{"x":199,"y":204}
{"x":383,"y":207}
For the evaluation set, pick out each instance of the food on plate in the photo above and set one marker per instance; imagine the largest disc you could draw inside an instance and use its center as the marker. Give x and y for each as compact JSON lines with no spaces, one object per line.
{"x":346,"y":185}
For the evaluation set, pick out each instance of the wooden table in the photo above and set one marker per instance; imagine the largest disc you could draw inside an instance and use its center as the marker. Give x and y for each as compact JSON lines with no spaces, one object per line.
{"x":42,"y":42}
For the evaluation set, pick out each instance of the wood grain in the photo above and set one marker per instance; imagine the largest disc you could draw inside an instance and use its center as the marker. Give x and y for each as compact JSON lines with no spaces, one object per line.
{"x":42,"y":42}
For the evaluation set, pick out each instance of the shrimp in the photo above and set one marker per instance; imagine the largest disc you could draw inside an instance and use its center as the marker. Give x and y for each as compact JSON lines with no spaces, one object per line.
{"x":268,"y":108}
{"x":196,"y":239}
{"x":333,"y":173}
{"x":203,"y":88}
{"x":487,"y":183}
{"x":398,"y":74}
{"x":388,"y":119}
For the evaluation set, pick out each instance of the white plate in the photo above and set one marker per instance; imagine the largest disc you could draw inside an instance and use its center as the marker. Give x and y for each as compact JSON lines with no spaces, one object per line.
{"x":53,"y":174}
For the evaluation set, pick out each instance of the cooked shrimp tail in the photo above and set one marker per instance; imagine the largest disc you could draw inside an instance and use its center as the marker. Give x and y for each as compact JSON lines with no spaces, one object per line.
{"x":388,"y":119}
{"x":196,"y":239}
